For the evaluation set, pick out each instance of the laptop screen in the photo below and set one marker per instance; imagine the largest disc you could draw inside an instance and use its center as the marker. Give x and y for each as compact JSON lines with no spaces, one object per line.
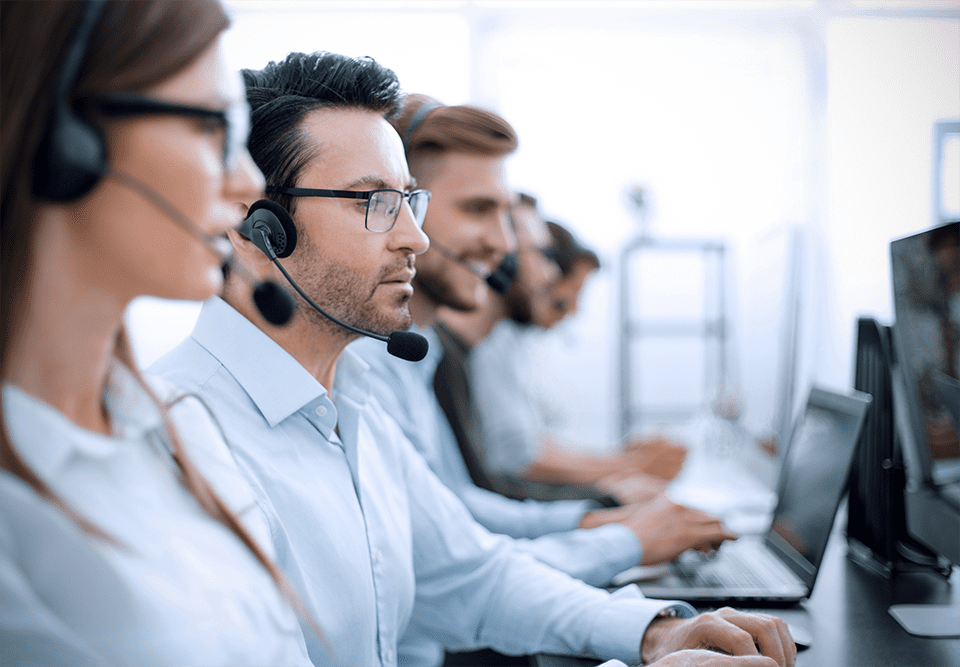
{"x":814,"y":476}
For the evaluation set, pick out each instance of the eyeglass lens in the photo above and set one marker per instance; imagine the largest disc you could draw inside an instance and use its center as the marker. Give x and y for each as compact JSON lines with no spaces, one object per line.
{"x":383,"y":208}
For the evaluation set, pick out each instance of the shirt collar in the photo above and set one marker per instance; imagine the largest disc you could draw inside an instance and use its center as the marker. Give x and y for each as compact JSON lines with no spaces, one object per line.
{"x":274,"y":380}
{"x":352,"y":380}
{"x":46,"y":439}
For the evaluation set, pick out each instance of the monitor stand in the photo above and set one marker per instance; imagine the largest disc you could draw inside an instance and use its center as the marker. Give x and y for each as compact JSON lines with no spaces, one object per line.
{"x":928,"y":620}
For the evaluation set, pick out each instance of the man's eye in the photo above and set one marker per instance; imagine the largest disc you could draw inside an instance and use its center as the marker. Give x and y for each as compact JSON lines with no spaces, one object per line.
{"x":211,"y":125}
{"x":377,"y":204}
{"x":478,"y":208}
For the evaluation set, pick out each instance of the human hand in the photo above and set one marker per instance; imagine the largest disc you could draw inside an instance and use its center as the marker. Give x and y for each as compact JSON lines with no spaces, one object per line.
{"x":631,"y":487}
{"x":727,"y":631}
{"x":666,"y":529}
{"x":658,"y":456}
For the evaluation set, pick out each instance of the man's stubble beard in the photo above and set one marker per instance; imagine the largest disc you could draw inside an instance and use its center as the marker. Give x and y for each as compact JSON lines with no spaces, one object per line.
{"x":431,"y":281}
{"x":348,"y":295}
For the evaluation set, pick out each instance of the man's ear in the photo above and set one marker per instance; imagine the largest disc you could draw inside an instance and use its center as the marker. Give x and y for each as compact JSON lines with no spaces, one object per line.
{"x":245,"y":250}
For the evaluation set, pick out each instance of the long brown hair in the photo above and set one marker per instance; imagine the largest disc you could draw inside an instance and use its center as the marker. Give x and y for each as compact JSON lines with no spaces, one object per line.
{"x":135,"y":44}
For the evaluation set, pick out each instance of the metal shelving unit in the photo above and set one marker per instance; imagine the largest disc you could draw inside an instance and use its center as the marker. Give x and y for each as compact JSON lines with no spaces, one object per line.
{"x":639,"y":325}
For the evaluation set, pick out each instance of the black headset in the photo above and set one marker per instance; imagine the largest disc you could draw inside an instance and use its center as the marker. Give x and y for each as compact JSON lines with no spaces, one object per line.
{"x":270,"y":227}
{"x":72,"y":156}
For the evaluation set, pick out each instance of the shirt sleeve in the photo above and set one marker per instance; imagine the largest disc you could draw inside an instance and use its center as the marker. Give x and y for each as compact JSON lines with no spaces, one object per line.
{"x":593,"y":556}
{"x":521,"y":518}
{"x":477,"y":589}
{"x":546,"y":530}
{"x":407,"y":398}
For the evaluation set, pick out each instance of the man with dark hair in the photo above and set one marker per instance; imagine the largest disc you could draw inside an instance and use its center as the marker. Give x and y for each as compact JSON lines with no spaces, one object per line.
{"x":364,"y":530}
{"x":577,"y":263}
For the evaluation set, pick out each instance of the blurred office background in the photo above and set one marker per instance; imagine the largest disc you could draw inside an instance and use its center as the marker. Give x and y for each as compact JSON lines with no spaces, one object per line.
{"x":799,"y":134}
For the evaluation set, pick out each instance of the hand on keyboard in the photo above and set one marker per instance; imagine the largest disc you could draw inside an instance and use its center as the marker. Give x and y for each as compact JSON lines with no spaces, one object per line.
{"x":666,"y":529}
{"x":726,"y":630}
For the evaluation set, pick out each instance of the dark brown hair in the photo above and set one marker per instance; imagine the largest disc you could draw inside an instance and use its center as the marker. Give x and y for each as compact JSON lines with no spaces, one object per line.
{"x":135,"y":44}
{"x":283,"y":93}
{"x":568,"y":251}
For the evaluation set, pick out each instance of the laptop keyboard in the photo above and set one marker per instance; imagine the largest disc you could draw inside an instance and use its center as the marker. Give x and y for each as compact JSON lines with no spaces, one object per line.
{"x":738,"y":569}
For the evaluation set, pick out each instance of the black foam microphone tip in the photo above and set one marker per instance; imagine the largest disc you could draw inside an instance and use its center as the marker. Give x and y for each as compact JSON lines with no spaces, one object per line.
{"x":407,"y":345}
{"x":274,"y":303}
{"x":502,"y":277}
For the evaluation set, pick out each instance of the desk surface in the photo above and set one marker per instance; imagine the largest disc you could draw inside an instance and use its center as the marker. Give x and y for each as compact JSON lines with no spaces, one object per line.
{"x":848,"y":620}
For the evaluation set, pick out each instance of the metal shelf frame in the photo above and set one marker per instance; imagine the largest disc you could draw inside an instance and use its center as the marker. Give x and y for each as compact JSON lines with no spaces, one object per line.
{"x":635,"y":326}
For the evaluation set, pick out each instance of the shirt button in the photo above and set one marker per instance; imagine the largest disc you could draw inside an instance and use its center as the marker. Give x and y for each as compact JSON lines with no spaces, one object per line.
{"x":388,"y":655}
{"x":377,"y":556}
{"x":321,"y":411}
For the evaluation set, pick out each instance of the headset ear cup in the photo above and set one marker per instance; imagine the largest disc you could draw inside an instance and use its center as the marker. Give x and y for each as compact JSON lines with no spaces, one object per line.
{"x":72,"y":158}
{"x":276,"y":220}
{"x":72,"y":154}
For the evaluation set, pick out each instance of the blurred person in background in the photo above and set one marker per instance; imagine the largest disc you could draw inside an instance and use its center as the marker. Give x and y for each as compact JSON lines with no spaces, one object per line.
{"x":577,"y":263}
{"x":519,"y":453}
{"x":123,"y":143}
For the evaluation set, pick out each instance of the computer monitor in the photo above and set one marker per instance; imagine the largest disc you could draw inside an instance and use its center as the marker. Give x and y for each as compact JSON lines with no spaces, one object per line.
{"x":876,"y":511}
{"x":926,"y":290}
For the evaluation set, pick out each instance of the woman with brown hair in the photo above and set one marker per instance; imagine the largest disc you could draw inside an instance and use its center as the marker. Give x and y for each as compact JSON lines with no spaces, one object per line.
{"x":123,"y":153}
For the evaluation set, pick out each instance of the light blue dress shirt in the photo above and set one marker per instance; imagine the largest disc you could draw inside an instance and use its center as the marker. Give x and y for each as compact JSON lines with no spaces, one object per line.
{"x":177,"y":587}
{"x":510,"y":420}
{"x":548,"y":529}
{"x":365,"y":530}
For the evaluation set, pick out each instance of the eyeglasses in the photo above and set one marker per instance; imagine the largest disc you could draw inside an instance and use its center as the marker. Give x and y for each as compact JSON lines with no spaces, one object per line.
{"x":382,"y":207}
{"x":235,"y":119}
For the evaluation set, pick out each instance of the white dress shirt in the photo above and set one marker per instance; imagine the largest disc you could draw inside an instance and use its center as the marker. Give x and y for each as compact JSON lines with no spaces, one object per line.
{"x":365,"y":530}
{"x":176,"y":587}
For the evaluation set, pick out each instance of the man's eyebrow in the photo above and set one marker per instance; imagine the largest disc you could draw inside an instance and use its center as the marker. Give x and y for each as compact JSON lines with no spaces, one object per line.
{"x":366,"y":182}
{"x":372,"y":182}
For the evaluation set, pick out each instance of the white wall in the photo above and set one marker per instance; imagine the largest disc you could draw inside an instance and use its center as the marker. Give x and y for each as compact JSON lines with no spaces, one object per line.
{"x":888,"y":81}
{"x":739,"y":117}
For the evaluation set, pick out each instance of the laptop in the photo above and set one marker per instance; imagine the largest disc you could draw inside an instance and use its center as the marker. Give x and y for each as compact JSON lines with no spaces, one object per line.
{"x":780,"y":567}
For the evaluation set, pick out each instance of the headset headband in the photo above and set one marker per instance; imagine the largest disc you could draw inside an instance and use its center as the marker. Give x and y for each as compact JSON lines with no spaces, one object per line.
{"x":416,"y":121}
